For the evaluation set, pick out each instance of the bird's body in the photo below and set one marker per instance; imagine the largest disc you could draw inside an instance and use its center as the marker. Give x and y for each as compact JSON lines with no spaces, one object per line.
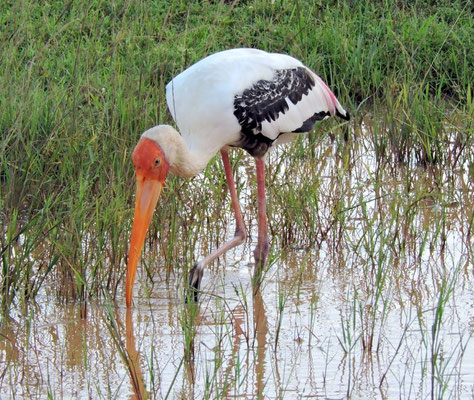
{"x":235,"y":98}
{"x":205,"y":98}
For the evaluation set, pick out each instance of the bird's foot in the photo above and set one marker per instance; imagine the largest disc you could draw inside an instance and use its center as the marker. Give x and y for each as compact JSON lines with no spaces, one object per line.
{"x":195,"y":276}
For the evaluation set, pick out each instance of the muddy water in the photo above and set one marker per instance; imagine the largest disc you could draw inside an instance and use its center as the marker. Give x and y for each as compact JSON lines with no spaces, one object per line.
{"x":377,"y":303}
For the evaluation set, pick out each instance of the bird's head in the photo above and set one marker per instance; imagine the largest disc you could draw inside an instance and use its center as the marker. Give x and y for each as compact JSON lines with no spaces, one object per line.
{"x":151,"y":168}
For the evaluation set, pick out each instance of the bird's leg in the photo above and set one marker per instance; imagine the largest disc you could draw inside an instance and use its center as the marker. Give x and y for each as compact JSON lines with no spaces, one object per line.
{"x":239,"y":236}
{"x":261,"y":251}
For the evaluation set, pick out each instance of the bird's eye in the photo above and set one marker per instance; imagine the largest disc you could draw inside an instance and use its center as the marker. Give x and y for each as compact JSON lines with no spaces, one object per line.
{"x":157,"y":162}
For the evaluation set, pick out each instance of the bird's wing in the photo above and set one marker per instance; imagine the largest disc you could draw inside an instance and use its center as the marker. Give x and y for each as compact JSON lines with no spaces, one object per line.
{"x":247,"y":98}
{"x":292,"y":101}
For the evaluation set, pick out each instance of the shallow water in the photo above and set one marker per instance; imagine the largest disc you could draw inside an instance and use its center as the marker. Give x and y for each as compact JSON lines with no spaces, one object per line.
{"x":369,"y":295}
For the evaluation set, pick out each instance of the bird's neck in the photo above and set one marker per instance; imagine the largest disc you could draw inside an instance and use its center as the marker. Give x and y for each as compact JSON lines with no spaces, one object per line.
{"x":182,"y":161}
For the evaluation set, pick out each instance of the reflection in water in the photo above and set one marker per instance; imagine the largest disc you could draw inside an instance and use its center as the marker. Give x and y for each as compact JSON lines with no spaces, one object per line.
{"x":190,"y":320}
{"x":133,"y":360}
{"x":8,"y":343}
{"x":76,"y":332}
{"x":261,"y":331}
{"x":364,"y":262}
{"x":238,"y":332}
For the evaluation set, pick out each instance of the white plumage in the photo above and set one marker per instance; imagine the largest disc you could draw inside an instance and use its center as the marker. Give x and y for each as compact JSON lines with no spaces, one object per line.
{"x":201,"y":98}
{"x":245,"y":98}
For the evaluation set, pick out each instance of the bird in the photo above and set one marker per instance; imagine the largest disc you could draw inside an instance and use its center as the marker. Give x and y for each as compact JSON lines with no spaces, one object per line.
{"x":238,"y":98}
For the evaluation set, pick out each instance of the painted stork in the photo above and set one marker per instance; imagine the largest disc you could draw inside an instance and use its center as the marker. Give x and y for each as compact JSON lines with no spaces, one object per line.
{"x":244,"y":98}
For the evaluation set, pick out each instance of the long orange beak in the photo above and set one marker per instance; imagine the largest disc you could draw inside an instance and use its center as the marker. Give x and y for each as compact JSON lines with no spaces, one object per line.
{"x":148,"y":192}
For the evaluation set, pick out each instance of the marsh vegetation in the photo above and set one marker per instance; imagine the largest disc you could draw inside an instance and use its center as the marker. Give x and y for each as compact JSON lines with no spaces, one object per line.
{"x":369,"y":287}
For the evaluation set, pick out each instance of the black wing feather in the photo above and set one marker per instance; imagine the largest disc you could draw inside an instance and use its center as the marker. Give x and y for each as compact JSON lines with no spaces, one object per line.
{"x":266,"y":100}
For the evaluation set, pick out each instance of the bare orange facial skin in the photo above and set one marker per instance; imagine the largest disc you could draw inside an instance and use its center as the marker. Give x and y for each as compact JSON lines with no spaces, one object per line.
{"x":150,"y":161}
{"x":151,"y":168}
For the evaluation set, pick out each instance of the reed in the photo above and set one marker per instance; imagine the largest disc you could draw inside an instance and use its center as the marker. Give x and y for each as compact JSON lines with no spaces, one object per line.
{"x":372,"y":205}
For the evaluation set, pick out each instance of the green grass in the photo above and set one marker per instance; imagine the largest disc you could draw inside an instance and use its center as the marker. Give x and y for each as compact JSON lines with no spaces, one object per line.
{"x":376,"y":301}
{"x":79,"y":82}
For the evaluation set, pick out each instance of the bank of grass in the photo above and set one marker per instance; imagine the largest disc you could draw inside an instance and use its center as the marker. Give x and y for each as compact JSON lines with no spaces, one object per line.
{"x":81,"y":80}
